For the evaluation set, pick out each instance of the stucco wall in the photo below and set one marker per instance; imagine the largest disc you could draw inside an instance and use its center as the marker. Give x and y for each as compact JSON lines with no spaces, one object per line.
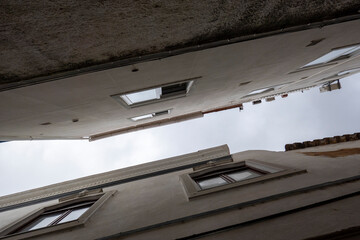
{"x":41,"y":37}
{"x":160,"y":199}
{"x":262,"y":63}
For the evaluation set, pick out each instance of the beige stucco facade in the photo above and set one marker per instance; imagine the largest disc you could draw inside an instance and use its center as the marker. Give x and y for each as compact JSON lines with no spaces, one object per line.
{"x":150,"y":202}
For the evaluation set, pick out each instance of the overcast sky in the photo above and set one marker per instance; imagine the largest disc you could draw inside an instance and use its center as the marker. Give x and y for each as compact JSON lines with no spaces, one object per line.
{"x":269,"y":126}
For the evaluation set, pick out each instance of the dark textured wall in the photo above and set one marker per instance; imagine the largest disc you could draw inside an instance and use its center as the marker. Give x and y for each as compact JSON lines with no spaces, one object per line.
{"x":41,"y":37}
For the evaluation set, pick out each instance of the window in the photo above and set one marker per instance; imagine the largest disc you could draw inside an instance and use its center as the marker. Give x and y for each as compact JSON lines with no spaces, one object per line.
{"x":57,"y":216}
{"x":142,"y":96}
{"x":339,"y":75}
{"x":261,"y":91}
{"x":156,"y":94}
{"x":227,"y":176}
{"x":212,"y":178}
{"x":265,"y":90}
{"x":150,"y":115}
{"x":70,"y":212}
{"x":335,"y":55}
{"x":346,"y":72}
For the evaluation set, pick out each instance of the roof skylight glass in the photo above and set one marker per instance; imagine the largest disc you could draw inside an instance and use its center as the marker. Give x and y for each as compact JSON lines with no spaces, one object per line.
{"x":142,"y":96}
{"x":142,"y":117}
{"x":260,"y":90}
{"x":150,"y":115}
{"x":348,"y":71}
{"x":155,"y":94}
{"x":334,"y":54}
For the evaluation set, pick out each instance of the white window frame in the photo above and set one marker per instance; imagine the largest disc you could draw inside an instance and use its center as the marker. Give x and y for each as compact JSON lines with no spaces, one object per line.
{"x":340,"y":75}
{"x":328,"y":63}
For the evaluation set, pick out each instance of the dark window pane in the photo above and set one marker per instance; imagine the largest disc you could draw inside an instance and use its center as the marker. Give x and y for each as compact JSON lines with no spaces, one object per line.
{"x":174,"y":89}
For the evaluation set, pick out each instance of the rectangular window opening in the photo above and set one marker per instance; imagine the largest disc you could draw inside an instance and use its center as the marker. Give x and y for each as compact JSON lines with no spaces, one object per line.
{"x":224,"y":177}
{"x":180,"y":88}
{"x":72,"y":211}
{"x":349,"y":71}
{"x":152,"y":95}
{"x":335,"y":55}
{"x":339,"y":75}
{"x":56,"y":217}
{"x":150,"y":115}
{"x":142,"y":96}
{"x":142,"y":117}
{"x":261,"y":91}
{"x":209,"y":178}
{"x":266,"y":90}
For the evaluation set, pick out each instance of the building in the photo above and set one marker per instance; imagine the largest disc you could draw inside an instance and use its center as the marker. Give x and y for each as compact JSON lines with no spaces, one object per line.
{"x":167,"y":86}
{"x":305,"y":193}
{"x":68,"y":81}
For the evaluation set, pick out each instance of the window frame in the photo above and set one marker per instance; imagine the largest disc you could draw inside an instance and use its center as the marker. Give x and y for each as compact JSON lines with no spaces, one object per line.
{"x":224,"y":174}
{"x":266,"y":90}
{"x":335,"y":59}
{"x":331,"y":62}
{"x":270,"y":171}
{"x":190,"y":82}
{"x":9,"y":231}
{"x":260,"y":91}
{"x":338,"y":76}
{"x":151,"y":115}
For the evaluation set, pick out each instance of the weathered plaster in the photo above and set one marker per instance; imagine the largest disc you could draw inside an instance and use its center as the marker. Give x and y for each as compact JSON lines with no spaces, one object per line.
{"x":39,"y":38}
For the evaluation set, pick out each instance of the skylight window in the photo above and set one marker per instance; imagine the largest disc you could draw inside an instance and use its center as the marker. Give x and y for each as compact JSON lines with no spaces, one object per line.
{"x":334,"y":55}
{"x":340,"y":75}
{"x":150,"y":115}
{"x":156,"y":94}
{"x":261,"y":90}
{"x":265,"y":90}
{"x":348,"y":71}
{"x":142,"y":117}
{"x":142,"y":96}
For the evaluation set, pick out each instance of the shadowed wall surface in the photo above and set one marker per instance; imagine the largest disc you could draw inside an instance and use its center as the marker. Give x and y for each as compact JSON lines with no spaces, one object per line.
{"x":39,"y":38}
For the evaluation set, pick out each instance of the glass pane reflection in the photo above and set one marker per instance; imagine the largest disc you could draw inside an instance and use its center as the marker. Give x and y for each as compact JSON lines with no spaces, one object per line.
{"x":242,"y":175}
{"x":75,"y":214}
{"x":211,"y":182}
{"x":41,"y":222}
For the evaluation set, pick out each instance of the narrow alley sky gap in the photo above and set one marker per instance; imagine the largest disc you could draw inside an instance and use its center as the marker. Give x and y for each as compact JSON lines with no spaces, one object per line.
{"x":269,"y":126}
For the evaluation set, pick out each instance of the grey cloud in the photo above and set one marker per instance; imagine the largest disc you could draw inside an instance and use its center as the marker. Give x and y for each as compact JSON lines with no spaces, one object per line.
{"x":268,"y":126}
